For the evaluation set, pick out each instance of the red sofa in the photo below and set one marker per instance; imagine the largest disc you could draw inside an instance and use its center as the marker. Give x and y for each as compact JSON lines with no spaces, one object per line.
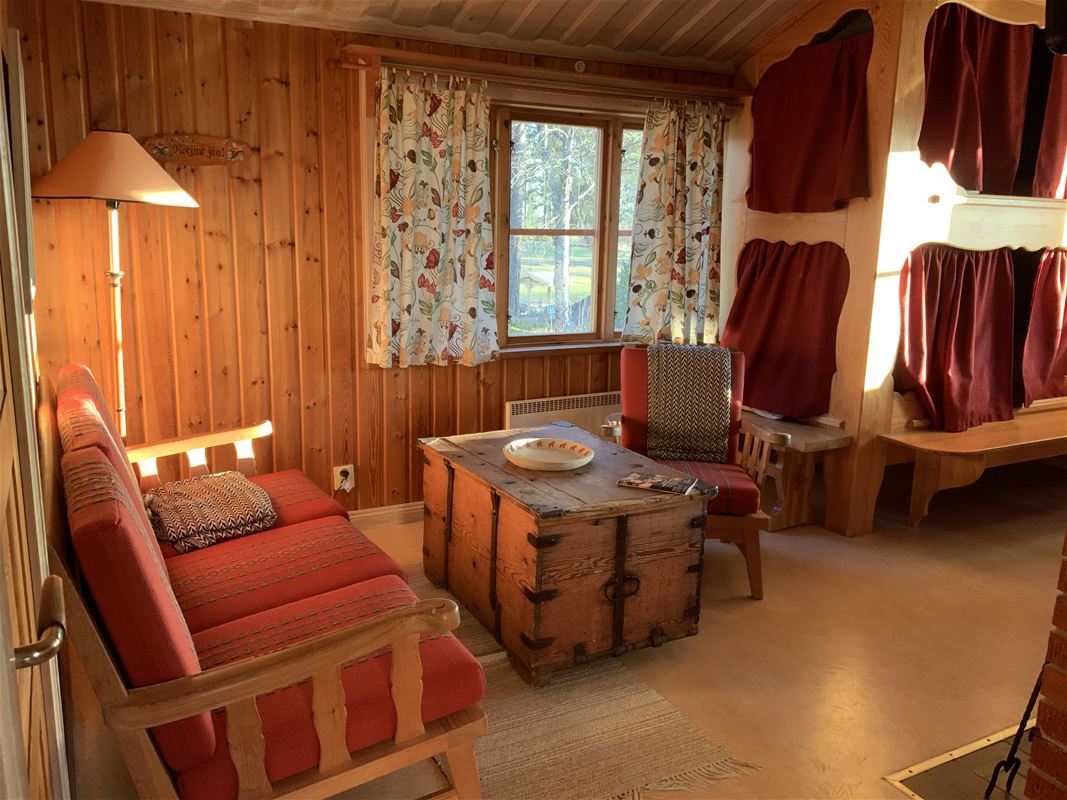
{"x":171,"y":615}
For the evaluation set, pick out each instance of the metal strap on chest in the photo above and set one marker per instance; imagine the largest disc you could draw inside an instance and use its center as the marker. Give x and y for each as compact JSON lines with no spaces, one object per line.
{"x":621,"y":585}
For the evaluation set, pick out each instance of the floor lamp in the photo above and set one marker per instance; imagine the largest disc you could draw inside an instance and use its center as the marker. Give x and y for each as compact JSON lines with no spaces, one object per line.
{"x":112,"y":166}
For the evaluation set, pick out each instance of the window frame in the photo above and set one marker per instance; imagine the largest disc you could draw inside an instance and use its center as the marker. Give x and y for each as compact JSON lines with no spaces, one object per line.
{"x":605,"y":236}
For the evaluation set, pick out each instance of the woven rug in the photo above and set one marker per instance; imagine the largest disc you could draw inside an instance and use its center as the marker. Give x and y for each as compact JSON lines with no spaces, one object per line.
{"x":596,"y":732}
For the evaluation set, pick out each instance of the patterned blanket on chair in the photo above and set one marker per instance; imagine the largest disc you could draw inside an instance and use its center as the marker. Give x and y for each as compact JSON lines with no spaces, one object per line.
{"x":199,"y":512}
{"x":688,"y":402}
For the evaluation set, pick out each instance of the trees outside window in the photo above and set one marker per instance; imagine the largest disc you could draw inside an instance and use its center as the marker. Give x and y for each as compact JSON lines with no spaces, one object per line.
{"x":566,"y":187}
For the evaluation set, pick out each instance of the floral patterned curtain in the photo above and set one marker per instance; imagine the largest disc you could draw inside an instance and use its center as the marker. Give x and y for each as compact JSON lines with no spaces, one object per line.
{"x":674,"y":264}
{"x":433,"y":288}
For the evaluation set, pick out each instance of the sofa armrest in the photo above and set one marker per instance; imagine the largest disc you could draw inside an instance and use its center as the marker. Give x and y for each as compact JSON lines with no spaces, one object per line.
{"x":194,"y":448}
{"x":151,"y":706}
{"x":235,"y":687}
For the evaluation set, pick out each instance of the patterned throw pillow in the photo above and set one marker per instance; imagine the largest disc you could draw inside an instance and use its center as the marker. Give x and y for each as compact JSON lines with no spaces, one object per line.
{"x":203,"y":511}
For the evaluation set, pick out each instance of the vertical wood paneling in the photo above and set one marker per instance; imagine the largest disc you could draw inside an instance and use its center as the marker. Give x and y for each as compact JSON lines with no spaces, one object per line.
{"x":252,"y":357}
{"x":534,"y":377}
{"x":513,"y":380}
{"x":371,"y":446}
{"x":467,"y":408}
{"x":272,"y":66}
{"x":216,"y":241}
{"x":338,"y":260}
{"x":184,"y":265}
{"x":147,"y":283}
{"x":491,"y":397}
{"x":103,"y":66}
{"x":62,"y":34}
{"x":26,"y":18}
{"x":53,"y":345}
{"x":84,"y":317}
{"x":420,"y":421}
{"x":307,"y":225}
{"x":444,"y":417}
{"x":247,"y":308}
{"x":599,"y":364}
{"x":556,"y":375}
{"x":397,"y":440}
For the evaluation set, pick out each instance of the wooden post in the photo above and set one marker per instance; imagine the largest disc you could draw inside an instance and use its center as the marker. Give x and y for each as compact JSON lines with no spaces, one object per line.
{"x":868,"y":332}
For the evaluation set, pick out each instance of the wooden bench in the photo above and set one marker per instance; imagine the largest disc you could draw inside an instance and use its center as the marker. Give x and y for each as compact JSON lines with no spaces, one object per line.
{"x":945,"y":460}
{"x":786,"y":451}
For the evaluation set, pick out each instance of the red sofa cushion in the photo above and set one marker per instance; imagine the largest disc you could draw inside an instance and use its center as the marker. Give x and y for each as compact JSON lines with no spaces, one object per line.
{"x":253,"y":573}
{"x":634,"y":376}
{"x":128,"y":583}
{"x":82,"y":424}
{"x":296,"y":498}
{"x":78,"y":378}
{"x":738,"y":494}
{"x":452,"y":680}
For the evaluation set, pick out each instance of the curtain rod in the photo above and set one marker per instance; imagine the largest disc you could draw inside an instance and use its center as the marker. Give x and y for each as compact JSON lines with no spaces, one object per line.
{"x":556,"y":87}
{"x":607,"y":86}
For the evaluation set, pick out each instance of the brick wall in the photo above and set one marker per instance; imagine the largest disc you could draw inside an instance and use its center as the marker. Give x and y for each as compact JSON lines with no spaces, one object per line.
{"x":1047,"y":779}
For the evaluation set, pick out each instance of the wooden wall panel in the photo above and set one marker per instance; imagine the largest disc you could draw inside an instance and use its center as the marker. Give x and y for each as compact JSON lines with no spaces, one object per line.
{"x":247,"y":308}
{"x":252,"y":357}
{"x":307,"y":228}
{"x":216,"y":235}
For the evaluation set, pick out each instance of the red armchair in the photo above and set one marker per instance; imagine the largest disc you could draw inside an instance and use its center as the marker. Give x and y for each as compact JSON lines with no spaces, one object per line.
{"x":734,"y":515}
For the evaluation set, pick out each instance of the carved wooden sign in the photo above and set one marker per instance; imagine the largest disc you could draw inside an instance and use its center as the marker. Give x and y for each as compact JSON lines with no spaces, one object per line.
{"x":195,"y":149}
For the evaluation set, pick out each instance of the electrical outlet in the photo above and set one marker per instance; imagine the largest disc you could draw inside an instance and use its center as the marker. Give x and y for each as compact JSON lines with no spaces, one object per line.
{"x":344,"y":478}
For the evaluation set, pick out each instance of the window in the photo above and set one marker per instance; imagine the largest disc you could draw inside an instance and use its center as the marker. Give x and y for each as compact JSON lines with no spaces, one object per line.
{"x":565,"y":198}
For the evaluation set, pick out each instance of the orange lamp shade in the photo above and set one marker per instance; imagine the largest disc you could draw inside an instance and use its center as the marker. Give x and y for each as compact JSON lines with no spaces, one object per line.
{"x":111,"y":165}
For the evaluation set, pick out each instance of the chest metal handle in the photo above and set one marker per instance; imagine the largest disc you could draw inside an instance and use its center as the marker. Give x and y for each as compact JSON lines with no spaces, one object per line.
{"x":631,"y":585}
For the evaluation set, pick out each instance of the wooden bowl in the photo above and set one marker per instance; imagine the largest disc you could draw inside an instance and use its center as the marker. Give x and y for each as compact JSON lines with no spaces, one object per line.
{"x":554,"y":455}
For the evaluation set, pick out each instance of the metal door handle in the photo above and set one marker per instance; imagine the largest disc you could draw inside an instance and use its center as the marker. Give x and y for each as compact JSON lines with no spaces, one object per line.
{"x":51,"y":626}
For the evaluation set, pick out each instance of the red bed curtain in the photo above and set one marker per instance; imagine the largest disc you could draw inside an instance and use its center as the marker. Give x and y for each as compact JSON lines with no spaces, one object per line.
{"x":784,"y":318}
{"x":977,"y":75}
{"x":1045,"y":351}
{"x":809,"y":116}
{"x":957,"y":309}
{"x":1050,"y":174}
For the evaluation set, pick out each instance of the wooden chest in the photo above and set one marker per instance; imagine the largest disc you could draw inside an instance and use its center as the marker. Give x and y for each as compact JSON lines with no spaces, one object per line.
{"x":561,"y":566}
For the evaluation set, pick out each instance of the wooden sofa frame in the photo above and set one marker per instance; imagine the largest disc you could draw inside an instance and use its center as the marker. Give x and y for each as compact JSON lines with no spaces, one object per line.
{"x":131,"y":712}
{"x":946,"y":460}
{"x":193,"y":449}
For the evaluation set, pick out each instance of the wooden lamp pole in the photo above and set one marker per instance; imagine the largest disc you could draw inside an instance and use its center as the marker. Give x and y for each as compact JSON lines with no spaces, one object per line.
{"x":112,"y":166}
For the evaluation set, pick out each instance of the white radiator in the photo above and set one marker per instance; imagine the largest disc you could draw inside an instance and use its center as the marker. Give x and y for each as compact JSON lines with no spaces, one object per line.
{"x":587,"y":411}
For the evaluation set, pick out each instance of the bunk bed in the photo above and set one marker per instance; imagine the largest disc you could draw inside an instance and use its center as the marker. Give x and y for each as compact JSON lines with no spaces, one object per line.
{"x":910,"y":203}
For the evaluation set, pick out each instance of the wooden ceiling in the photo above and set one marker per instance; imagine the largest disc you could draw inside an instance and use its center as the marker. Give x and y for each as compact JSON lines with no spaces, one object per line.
{"x":701,"y":34}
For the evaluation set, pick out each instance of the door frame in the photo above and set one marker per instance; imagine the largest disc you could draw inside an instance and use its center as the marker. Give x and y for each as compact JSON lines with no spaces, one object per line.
{"x":16,"y":280}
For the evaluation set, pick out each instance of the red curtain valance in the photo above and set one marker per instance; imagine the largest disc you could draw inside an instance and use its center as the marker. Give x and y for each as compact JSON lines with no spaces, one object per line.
{"x":784,"y":318}
{"x":1045,"y":352}
{"x":957,"y":309}
{"x":809,"y":117}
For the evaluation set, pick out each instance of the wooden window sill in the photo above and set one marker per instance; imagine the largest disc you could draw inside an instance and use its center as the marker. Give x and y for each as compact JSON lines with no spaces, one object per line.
{"x":568,"y":349}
